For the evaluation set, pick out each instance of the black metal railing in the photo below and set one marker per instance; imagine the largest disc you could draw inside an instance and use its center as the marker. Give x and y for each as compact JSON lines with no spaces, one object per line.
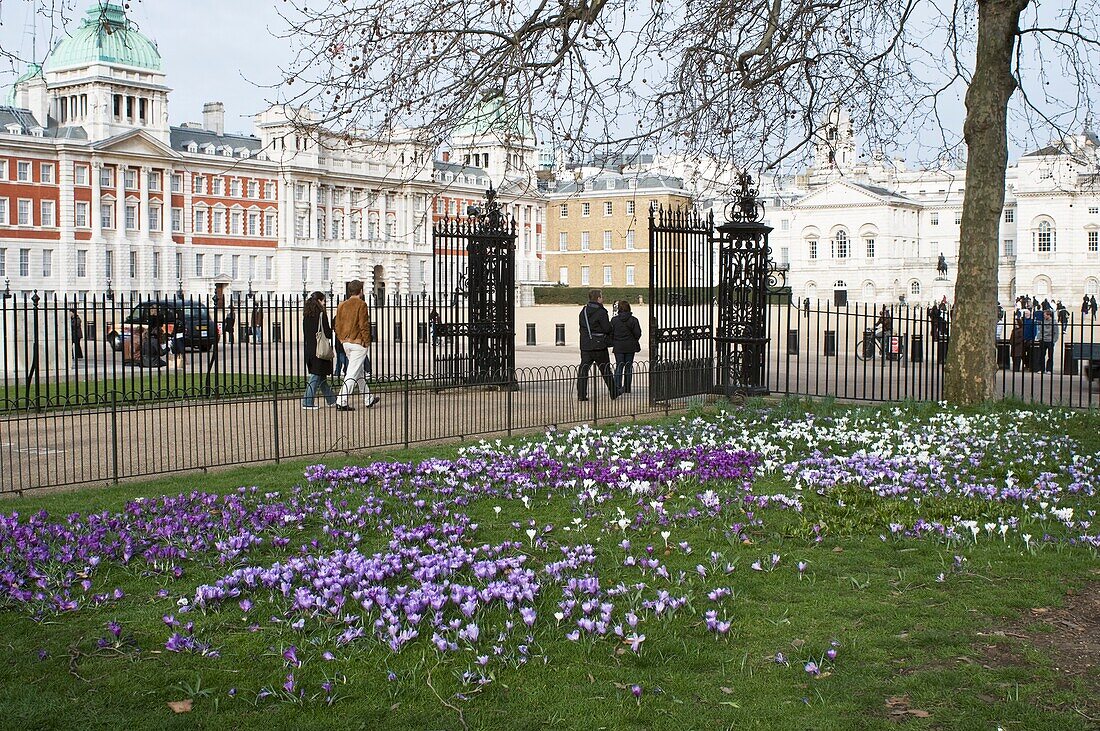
{"x":66,"y":446}
{"x":843,"y":352}
{"x":129,"y":349}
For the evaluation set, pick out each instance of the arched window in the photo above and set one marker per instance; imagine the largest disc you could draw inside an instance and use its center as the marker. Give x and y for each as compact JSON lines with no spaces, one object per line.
{"x":1041,"y":286}
{"x":391,"y":226}
{"x":811,"y":290}
{"x":869,"y":291}
{"x":1092,"y":287}
{"x":914,"y":288}
{"x":840,"y":245}
{"x":811,"y":245}
{"x":840,"y":284}
{"x":1044,"y":238}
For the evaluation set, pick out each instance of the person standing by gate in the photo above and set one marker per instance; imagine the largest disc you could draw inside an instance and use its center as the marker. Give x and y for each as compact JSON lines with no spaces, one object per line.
{"x":595,"y":340}
{"x":257,"y":323}
{"x":352,"y":325}
{"x":76,"y":336}
{"x":626,"y":332}
{"x":227,"y":325}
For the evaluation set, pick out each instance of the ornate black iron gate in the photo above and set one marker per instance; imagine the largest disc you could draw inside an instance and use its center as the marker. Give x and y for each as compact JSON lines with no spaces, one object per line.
{"x":681,"y":312}
{"x":475,"y":279}
{"x":683,"y":298}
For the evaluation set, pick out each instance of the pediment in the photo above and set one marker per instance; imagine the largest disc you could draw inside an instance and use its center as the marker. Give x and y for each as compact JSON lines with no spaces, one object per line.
{"x":136,"y":142}
{"x":844,"y":193}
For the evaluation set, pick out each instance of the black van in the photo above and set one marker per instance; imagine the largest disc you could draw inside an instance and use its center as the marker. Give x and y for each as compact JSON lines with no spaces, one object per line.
{"x":199,"y":330}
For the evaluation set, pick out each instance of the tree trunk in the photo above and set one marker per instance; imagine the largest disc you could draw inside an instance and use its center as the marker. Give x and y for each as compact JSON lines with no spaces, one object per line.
{"x":972,"y":356}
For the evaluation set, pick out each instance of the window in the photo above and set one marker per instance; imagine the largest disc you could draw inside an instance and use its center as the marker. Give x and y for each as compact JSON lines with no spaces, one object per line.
{"x":3,"y":169}
{"x":80,"y":174}
{"x":300,"y":226}
{"x":563,"y":241}
{"x":1093,"y":210}
{"x":1044,"y":238}
{"x":326,"y":267}
{"x":607,"y":241}
{"x":3,"y":211}
{"x":337,"y":228}
{"x":564,"y":211}
{"x":608,"y":208}
{"x":630,"y":275}
{"x":81,"y":262}
{"x":107,"y":215}
{"x":1045,"y":173}
{"x":179,"y":264}
{"x":1094,"y":242}
{"x":198,"y":184}
{"x":177,"y":220}
{"x":24,"y":262}
{"x":300,"y":192}
{"x":914,"y":288}
{"x":217,"y":264}
{"x":198,"y":265}
{"x":252,"y":266}
{"x":870,"y":245}
{"x":1010,"y":215}
{"x":586,"y":208}
{"x":218,"y":184}
{"x":47,"y":211}
{"x":607,"y":276}
{"x":129,"y":179}
{"x":813,"y":248}
{"x":253,"y":189}
{"x":235,"y":266}
{"x":235,"y":188}
{"x":1010,"y":247}
{"x":46,"y":173}
{"x":253,"y":224}
{"x":630,"y":239}
{"x":784,"y":224}
{"x":131,"y":216}
{"x":584,"y":241}
{"x":305,"y":268}
{"x":630,"y":208}
{"x":269,"y":267}
{"x":154,"y":180}
{"x":23,"y":172}
{"x":133,"y":264}
{"x":154,"y":218}
{"x":270,"y":227}
{"x":80,"y":216}
{"x":934,"y":218}
{"x":3,"y":262}
{"x":841,"y":245}
{"x":563,"y":275}
{"x":217,"y":222}
{"x":106,"y":177}
{"x":269,"y":190}
{"x":200,"y":220}
{"x":156,"y":265}
{"x":584,"y":277}
{"x":958,"y":217}
{"x":177,"y":183}
{"x":47,"y":262}
{"x":235,"y":223}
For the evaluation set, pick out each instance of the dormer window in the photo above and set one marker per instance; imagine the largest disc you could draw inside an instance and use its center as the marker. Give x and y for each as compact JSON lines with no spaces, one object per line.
{"x":209,"y":149}
{"x":14,"y":129}
{"x":192,"y":147}
{"x":37,"y":131}
{"x":227,"y":151}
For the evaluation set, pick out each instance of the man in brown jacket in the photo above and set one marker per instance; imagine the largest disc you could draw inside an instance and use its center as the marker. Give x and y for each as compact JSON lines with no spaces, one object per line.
{"x":352,"y":325}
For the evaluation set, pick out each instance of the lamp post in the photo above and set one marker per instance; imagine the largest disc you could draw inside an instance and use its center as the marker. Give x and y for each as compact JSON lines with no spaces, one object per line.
{"x":179,"y":288}
{"x":251,"y":295}
{"x":110,"y":292}
{"x":330,"y":292}
{"x":7,"y":289}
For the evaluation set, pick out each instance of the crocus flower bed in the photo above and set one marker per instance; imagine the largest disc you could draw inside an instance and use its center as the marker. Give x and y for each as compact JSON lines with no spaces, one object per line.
{"x":639,"y":566}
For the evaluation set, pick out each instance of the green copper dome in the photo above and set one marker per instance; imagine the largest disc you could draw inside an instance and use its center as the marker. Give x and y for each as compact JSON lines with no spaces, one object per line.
{"x":105,"y":36}
{"x":491,"y":116}
{"x":32,"y":71}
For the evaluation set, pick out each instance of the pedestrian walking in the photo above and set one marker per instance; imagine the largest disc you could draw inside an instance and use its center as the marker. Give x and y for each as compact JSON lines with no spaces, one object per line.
{"x":434,"y":323}
{"x":1092,"y":306}
{"x":228,"y":324}
{"x":318,"y":335}
{"x":257,"y":323}
{"x":1085,"y":306}
{"x":1063,"y":316}
{"x":626,"y":334}
{"x":341,"y":360}
{"x":1048,"y":336}
{"x":353,"y":328}
{"x":595,"y":339}
{"x":76,"y":336}
{"x":1016,"y":342}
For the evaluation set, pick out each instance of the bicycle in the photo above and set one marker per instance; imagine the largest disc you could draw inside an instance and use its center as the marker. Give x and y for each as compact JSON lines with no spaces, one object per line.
{"x":871,"y":343}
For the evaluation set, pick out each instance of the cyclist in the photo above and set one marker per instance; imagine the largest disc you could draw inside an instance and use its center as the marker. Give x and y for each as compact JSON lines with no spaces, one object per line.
{"x":884,"y":326}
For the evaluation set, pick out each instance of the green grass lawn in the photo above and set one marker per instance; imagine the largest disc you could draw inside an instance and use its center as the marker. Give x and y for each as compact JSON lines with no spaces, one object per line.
{"x":850,"y":536}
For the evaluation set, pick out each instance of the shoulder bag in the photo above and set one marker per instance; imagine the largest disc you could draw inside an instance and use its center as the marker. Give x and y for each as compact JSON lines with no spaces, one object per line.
{"x":324,"y":349}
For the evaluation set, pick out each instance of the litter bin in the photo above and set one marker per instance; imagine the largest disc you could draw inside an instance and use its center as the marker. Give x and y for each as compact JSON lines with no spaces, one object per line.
{"x":1004,"y":354}
{"x":374,"y":332}
{"x":559,"y":333}
{"x":1035,"y":358}
{"x":397,"y":331}
{"x":868,"y":343}
{"x":916,"y":349}
{"x":243,"y":332}
{"x":276,"y":332}
{"x":421,"y":332}
{"x":792,"y":342}
{"x":530,"y":333}
{"x":830,"y":343}
{"x":1070,"y":366}
{"x":941,"y":350}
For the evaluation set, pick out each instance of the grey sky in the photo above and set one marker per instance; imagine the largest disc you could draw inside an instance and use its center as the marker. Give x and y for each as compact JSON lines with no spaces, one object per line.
{"x":213,"y":50}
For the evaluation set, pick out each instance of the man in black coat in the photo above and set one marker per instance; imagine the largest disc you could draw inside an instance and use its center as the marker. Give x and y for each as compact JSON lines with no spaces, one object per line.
{"x":595,"y":329}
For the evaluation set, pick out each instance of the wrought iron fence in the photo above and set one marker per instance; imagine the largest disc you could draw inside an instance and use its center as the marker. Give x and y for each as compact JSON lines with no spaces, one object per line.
{"x":64,"y":352}
{"x":819,"y":349}
{"x":68,"y":446}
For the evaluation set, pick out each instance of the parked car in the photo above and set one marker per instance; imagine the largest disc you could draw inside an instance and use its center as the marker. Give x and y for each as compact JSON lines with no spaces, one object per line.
{"x":191,"y":317}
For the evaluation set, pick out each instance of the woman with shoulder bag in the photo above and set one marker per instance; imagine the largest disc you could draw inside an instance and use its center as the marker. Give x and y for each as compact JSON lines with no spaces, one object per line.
{"x":626,"y":335}
{"x":317,"y":341}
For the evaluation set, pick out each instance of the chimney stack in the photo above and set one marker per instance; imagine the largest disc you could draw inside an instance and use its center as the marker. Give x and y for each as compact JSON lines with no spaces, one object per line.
{"x":213,"y":117}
